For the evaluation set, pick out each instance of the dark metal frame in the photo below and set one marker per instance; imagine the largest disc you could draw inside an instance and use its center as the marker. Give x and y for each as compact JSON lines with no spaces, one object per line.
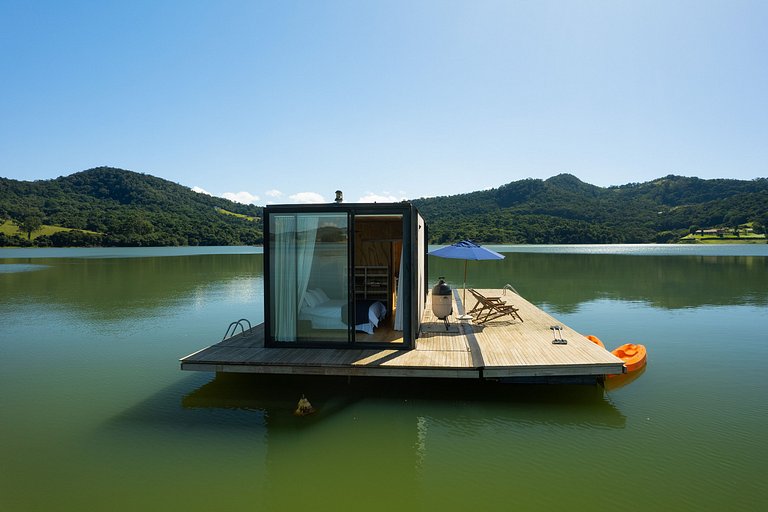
{"x":411,"y":320}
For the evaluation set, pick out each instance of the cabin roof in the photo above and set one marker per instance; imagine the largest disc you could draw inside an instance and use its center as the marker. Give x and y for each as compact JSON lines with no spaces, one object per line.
{"x":401,"y":205}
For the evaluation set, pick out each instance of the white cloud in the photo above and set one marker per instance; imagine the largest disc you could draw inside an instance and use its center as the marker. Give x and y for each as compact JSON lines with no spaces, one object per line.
{"x":240,"y":197}
{"x":273,"y":193}
{"x":307,"y":197}
{"x":386,"y":197}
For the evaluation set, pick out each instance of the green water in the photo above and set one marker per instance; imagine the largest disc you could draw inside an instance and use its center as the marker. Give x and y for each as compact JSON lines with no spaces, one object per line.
{"x":96,"y":415}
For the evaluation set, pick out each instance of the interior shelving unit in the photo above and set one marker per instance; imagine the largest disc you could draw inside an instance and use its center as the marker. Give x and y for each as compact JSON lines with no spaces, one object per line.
{"x":372,"y":282}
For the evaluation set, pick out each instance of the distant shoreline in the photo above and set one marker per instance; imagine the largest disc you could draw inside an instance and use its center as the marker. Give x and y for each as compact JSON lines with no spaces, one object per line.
{"x":753,"y":241}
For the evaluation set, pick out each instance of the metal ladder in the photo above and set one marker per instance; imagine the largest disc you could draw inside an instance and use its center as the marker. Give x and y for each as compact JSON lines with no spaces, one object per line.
{"x":233,"y":328}
{"x":510,"y":288}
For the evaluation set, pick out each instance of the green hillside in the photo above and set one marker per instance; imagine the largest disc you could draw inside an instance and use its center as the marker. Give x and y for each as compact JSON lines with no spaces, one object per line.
{"x":115,"y":207}
{"x":10,"y":228}
{"x":563,"y":209}
{"x":125,"y":208}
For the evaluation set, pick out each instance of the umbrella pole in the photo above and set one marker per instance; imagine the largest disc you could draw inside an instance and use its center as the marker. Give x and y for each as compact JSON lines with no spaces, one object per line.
{"x":465,"y":316}
{"x":464,"y":300}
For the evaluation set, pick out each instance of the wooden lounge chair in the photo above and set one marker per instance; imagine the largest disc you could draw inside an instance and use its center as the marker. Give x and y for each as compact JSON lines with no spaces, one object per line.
{"x":488,"y":308}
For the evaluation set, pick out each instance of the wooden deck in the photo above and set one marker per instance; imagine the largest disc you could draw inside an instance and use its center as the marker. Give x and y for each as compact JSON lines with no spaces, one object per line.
{"x":499,"y":349}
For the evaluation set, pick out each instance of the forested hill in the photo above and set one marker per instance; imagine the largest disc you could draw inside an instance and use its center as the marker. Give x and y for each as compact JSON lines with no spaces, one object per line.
{"x":563,"y":209}
{"x":125,"y":208}
{"x":107,"y":206}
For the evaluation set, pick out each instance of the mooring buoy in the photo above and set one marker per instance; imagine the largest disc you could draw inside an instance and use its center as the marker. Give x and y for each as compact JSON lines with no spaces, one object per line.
{"x":303,"y":407}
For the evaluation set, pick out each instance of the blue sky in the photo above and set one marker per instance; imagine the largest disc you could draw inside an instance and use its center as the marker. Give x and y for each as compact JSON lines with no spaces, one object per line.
{"x":289,"y":101}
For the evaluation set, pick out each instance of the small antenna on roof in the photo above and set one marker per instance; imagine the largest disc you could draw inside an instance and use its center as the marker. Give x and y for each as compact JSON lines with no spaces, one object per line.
{"x":339,"y":197}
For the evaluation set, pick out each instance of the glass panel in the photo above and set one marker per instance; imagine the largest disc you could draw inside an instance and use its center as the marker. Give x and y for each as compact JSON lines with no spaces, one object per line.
{"x":378,"y":247}
{"x":420,"y":245}
{"x":309,"y":277}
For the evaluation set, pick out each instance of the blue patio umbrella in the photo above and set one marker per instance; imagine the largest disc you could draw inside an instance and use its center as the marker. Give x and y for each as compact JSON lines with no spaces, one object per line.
{"x":466,"y":250}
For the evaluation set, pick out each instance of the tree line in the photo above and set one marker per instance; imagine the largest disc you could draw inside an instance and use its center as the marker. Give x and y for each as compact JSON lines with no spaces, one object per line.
{"x":114,"y":207}
{"x":565,"y":210}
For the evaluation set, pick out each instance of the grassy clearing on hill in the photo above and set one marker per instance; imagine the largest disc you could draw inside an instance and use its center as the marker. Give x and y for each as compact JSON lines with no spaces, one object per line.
{"x":742,"y":235}
{"x":10,"y":228}
{"x":239,"y":215}
{"x":756,"y":239}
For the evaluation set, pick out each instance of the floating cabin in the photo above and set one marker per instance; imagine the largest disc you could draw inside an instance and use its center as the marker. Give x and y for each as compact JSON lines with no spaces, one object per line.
{"x":346,"y":293}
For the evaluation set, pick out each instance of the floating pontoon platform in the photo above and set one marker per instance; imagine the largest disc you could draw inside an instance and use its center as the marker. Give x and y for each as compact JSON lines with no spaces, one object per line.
{"x":504,"y":348}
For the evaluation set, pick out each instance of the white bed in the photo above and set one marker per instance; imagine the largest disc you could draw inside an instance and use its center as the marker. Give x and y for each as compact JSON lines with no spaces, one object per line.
{"x":325,"y":313}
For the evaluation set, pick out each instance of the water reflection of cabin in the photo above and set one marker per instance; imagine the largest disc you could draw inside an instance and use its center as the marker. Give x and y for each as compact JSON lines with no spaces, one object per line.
{"x":344,"y":275}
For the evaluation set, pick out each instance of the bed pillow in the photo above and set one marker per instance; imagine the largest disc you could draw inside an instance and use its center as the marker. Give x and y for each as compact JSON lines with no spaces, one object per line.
{"x":310,"y":299}
{"x":322,"y":297}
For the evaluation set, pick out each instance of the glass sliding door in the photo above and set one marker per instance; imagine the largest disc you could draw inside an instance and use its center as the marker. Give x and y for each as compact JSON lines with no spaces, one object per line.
{"x":377,"y":255}
{"x":309,"y":277}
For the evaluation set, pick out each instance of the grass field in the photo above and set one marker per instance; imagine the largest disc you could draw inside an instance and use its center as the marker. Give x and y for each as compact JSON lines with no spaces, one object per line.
{"x":10,"y":228}
{"x":750,"y":238}
{"x":734,"y":240}
{"x":227,"y":212}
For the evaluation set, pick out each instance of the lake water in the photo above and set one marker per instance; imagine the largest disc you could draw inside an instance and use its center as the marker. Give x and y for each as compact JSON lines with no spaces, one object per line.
{"x":96,"y":415}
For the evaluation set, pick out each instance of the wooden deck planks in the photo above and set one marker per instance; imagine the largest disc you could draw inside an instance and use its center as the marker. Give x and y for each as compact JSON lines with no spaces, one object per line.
{"x":510,"y":347}
{"x":503,"y":347}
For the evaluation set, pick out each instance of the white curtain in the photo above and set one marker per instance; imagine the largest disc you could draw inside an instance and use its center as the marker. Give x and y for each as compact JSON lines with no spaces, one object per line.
{"x":399,"y":302}
{"x":306,"y":227}
{"x":283,"y":278}
{"x":292,"y":252}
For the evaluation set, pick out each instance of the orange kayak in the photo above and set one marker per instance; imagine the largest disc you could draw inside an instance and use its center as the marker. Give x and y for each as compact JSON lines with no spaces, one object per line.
{"x":595,"y":340}
{"x":632,"y":354}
